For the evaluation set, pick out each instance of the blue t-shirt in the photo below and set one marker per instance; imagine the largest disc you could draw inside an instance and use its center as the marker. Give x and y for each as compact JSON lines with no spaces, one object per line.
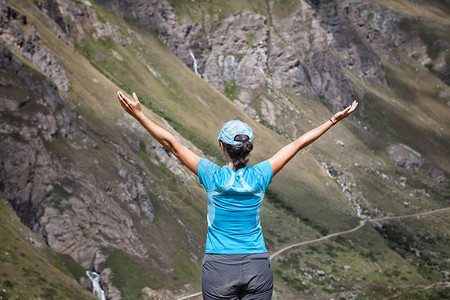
{"x":234,"y":206}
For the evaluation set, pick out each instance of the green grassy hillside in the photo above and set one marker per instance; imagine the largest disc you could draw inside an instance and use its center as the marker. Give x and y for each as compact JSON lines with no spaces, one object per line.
{"x":31,"y":270}
{"x":303,"y":203}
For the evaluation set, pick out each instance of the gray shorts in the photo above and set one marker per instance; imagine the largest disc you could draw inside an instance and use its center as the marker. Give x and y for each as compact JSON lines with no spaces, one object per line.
{"x":237,"y":276}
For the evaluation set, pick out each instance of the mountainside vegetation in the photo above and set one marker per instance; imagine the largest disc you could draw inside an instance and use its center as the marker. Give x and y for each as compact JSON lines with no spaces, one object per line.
{"x":30,"y":270}
{"x":100,"y":194}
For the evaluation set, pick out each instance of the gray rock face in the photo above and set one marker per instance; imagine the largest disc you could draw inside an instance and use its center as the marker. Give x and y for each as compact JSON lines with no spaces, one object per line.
{"x":137,"y":196}
{"x":162,"y":294}
{"x":28,"y":45}
{"x":74,"y":21}
{"x":386,"y":24}
{"x":308,"y":62}
{"x":306,"y":51}
{"x":239,"y":52}
{"x":405,"y":157}
{"x":71,"y":209}
{"x":111,"y":292}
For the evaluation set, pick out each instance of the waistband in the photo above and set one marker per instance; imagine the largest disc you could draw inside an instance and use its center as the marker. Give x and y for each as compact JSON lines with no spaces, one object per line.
{"x":234,"y":259}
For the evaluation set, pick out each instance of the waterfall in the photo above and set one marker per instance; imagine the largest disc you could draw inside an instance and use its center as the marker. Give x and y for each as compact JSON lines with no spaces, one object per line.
{"x":346,"y":193}
{"x":96,"y":288}
{"x":195,"y":64}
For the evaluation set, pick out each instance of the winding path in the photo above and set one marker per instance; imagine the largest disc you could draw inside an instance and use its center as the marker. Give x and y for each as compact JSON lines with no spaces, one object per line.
{"x":189,"y":296}
{"x":361,"y":224}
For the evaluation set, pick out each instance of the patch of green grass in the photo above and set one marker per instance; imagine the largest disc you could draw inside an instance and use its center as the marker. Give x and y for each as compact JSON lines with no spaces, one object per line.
{"x":60,"y":191}
{"x":230,"y":90}
{"x":293,"y":282}
{"x":130,"y":277}
{"x":237,"y":55}
{"x":11,"y":118}
{"x":49,"y":293}
{"x":32,"y":272}
{"x":407,"y":241}
{"x":106,"y":42}
{"x":143,"y":154}
{"x":275,"y":198}
{"x":283,"y":8}
{"x":58,"y":194}
{"x":266,"y":124}
{"x":198,"y":141}
{"x":300,"y":265}
{"x":108,"y":68}
{"x":438,"y":292}
{"x":250,"y":37}
{"x":396,"y":127}
{"x":102,"y":65}
{"x":429,"y":33}
{"x":189,"y":11}
{"x":74,"y":269}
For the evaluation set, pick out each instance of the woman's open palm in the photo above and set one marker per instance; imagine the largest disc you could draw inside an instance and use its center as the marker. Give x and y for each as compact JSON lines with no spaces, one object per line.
{"x":345,"y":113}
{"x":132,"y":107}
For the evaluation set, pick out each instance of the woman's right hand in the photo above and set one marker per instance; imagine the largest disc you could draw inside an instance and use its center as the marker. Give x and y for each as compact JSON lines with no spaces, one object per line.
{"x":132,"y":107}
{"x":165,"y":138}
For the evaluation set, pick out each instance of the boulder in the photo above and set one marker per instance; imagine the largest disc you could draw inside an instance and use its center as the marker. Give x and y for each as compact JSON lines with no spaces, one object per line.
{"x":405,"y":157}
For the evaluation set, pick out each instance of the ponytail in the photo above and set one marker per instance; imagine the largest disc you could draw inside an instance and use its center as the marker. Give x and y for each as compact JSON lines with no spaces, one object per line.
{"x":239,"y":153}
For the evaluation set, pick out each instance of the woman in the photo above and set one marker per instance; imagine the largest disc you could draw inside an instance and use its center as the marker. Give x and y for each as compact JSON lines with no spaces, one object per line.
{"x":236,"y":264}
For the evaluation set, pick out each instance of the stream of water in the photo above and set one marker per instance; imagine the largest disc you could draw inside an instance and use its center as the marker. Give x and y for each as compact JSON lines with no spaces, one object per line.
{"x":96,"y":288}
{"x":195,"y":64}
{"x":346,"y":193}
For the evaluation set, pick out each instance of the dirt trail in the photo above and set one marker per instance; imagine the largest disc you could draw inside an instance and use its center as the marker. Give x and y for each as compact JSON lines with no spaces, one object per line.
{"x":190,"y":296}
{"x":361,"y":224}
{"x":422,"y":287}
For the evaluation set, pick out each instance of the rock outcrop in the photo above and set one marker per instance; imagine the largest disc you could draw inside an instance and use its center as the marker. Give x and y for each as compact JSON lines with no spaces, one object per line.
{"x":405,"y":157}
{"x":53,"y":196}
{"x":111,"y":292}
{"x":28,"y":45}
{"x":163,"y":294}
{"x":73,"y":209}
{"x":307,"y":49}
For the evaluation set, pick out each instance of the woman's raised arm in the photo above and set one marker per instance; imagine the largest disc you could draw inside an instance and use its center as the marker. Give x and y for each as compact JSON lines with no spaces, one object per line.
{"x":282,"y":157}
{"x":165,"y":138}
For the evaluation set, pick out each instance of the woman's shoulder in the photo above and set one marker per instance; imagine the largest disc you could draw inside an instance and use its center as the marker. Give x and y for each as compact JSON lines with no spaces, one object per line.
{"x":262,"y":167}
{"x":211,"y":175}
{"x":260,"y":175}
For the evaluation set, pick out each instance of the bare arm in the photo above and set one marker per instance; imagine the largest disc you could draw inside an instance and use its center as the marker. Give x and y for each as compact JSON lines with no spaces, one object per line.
{"x":165,"y":138}
{"x":282,"y":157}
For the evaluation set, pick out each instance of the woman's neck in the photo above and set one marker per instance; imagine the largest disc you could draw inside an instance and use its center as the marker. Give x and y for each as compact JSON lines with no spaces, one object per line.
{"x":231,"y":165}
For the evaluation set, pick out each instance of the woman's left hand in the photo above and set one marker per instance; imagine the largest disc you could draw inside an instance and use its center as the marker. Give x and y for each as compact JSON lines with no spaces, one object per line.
{"x":132,"y":107}
{"x":344,"y":113}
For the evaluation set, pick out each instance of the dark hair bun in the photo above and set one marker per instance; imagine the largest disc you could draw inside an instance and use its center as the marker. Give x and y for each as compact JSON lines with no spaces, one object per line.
{"x":247,"y":147}
{"x":239,"y":153}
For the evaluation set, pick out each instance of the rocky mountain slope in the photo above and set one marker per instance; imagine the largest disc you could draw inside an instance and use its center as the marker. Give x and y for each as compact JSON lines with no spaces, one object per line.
{"x":43,"y":273}
{"x":93,"y":185}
